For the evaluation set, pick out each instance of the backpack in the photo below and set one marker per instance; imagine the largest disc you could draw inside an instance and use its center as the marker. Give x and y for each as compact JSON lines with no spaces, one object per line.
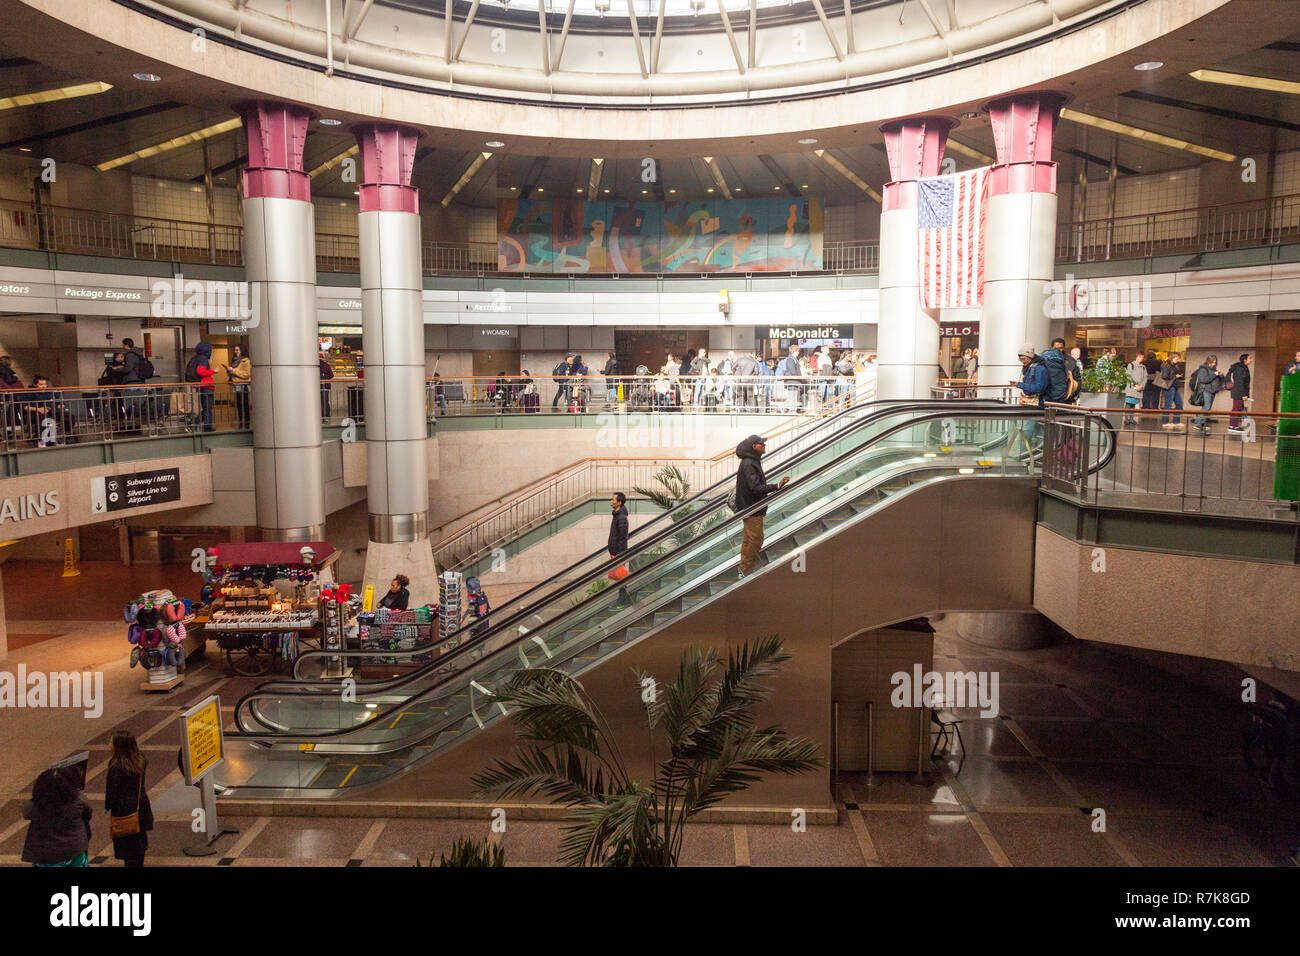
{"x":192,"y":369}
{"x":560,"y":371}
{"x":1168,"y":375}
{"x":1058,"y":377}
{"x":145,"y":368}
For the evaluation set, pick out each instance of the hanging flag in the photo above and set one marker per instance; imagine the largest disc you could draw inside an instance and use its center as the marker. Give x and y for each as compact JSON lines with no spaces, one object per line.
{"x":950,"y":239}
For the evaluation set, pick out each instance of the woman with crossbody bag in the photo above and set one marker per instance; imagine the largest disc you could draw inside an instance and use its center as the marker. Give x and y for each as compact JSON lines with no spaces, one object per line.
{"x":127,"y":801}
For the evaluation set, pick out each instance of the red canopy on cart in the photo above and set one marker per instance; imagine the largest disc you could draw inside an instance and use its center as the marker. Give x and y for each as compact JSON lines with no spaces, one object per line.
{"x":275,"y":552}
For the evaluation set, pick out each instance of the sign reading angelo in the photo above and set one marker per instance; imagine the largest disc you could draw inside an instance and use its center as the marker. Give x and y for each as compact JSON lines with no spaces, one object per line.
{"x":116,"y":492}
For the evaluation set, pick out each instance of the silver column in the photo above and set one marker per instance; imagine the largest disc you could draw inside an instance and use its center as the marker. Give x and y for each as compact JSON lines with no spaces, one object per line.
{"x":908,"y":335}
{"x":280,"y":262}
{"x":1018,"y":267}
{"x":393,"y":342}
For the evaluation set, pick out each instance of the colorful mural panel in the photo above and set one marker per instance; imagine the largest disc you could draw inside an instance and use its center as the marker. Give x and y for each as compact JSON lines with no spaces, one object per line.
{"x":723,"y":235}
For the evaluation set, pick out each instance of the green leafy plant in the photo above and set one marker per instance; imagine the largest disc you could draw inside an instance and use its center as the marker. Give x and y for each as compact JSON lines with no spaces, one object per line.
{"x":674,"y":488}
{"x":1106,"y":377}
{"x":704,"y":721}
{"x":466,"y":852}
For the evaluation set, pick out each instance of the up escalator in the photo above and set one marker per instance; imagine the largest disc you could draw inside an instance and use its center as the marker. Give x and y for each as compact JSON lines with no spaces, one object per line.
{"x":309,"y":739}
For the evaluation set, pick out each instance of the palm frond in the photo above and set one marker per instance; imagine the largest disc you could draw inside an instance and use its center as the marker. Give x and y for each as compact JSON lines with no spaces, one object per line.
{"x":563,"y":774}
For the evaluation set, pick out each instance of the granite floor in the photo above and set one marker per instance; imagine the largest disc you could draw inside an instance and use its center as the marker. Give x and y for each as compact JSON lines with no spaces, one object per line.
{"x":1095,"y":759}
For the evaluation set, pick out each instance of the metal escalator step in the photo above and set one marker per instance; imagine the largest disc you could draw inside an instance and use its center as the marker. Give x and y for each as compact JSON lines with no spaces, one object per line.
{"x":663,"y":617}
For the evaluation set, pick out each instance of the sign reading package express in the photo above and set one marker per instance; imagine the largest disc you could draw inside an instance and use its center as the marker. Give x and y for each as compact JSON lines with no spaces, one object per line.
{"x":202,"y":746}
{"x":135,"y":490}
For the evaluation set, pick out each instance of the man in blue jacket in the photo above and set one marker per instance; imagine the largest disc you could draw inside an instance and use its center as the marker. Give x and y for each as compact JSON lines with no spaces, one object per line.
{"x":1034,"y":382}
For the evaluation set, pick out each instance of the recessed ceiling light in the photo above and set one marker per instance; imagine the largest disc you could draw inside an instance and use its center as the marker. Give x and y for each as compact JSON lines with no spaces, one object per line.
{"x":147,"y":77}
{"x":777,"y":188}
{"x":579,"y":189}
{"x":710,"y":189}
{"x":807,"y":141}
{"x":540,"y":189}
{"x":671,"y":190}
{"x":356,"y":192}
{"x":607,"y":189}
{"x":494,"y":144}
{"x":514,"y":188}
{"x":644,"y":191}
{"x":24,"y":149}
{"x":1150,"y":65}
{"x":803,"y":186}
{"x":737,"y":189}
{"x":330,"y":121}
{"x":969,"y":114}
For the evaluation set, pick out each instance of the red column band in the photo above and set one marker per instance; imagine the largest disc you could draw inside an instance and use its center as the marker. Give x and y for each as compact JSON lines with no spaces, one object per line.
{"x":1023,"y":128}
{"x":277,"y":133}
{"x":915,"y":149}
{"x":387,"y":158}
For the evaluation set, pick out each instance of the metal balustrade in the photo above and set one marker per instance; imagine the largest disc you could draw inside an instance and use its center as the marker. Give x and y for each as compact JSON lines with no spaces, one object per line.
{"x":48,"y":228}
{"x":1172,"y":467}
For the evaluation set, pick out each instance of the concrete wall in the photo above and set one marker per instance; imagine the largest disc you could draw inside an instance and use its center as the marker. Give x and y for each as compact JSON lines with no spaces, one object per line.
{"x":1199,"y":610}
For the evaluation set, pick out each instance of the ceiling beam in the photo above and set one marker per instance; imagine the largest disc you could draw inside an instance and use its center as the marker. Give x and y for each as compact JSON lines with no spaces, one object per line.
{"x":847,"y":173}
{"x":753,"y":31}
{"x":731,"y":36}
{"x":659,"y":36}
{"x":716,"y":173}
{"x":1145,"y":135}
{"x":636,"y":39}
{"x":593,"y":181}
{"x":93,"y":124}
{"x":469,"y":22}
{"x":826,"y":25}
{"x":544,"y":37}
{"x":361,"y":18}
{"x":1100,"y":161}
{"x":449,"y":23}
{"x":782,"y":178}
{"x":532,"y":176}
{"x":564,"y":34}
{"x":848,"y":27}
{"x":465,"y":177}
{"x":1212,"y":110}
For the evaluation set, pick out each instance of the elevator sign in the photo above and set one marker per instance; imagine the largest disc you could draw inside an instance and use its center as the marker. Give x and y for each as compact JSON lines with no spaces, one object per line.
{"x":135,"y":490}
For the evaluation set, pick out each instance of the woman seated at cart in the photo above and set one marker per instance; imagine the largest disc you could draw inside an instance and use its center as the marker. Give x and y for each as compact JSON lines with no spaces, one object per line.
{"x":398,"y":596}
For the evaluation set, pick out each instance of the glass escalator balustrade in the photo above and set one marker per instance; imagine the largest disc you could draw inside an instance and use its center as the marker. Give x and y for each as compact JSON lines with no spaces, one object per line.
{"x":390,"y":727}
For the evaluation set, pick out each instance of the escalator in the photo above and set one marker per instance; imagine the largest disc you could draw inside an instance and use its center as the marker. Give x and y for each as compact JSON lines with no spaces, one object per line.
{"x":307,"y":739}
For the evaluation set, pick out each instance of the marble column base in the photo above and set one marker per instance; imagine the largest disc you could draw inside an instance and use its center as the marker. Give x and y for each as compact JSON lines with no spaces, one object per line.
{"x":384,"y":561}
{"x":1008,"y":631}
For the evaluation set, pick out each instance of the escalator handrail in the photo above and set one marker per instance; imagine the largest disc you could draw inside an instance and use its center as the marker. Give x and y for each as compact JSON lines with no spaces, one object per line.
{"x":869,"y":414}
{"x":1001,"y":411}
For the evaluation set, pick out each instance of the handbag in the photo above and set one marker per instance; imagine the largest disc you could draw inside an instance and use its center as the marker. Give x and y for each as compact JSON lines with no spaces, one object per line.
{"x":619,"y":573}
{"x":128,"y":825}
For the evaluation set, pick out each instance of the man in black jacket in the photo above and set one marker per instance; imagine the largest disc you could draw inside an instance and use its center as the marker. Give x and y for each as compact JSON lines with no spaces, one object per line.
{"x":751,"y":488}
{"x":618,"y":537}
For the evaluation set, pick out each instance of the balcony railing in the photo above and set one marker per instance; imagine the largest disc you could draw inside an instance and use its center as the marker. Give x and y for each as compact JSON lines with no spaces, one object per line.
{"x":1239,"y":225}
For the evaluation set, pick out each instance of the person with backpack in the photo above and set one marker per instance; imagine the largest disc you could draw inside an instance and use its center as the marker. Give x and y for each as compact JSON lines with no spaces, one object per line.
{"x":700,"y":366}
{"x":1062,"y":374}
{"x":792,"y":372}
{"x":198,"y":372}
{"x":1137,"y":381}
{"x":1239,"y":379}
{"x":60,"y":815}
{"x":1203,"y":385}
{"x":1035,"y":385}
{"x":478,"y":605}
{"x":136,"y":370}
{"x":746,"y":369}
{"x":751,"y":488}
{"x":1171,"y":394}
{"x":125,"y":797}
{"x":560,"y":376}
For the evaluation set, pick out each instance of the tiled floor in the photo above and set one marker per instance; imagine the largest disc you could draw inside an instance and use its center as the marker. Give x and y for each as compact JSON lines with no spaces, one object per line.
{"x":1082,"y":729}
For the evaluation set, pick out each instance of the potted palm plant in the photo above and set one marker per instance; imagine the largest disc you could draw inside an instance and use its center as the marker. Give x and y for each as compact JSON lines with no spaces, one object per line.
{"x":704,"y":722}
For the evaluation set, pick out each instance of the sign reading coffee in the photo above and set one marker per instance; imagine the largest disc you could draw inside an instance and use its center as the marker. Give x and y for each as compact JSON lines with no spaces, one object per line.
{"x":116,"y":492}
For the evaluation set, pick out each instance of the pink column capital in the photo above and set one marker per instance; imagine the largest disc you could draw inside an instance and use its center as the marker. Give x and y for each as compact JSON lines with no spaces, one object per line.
{"x":1024,"y":125}
{"x":277,"y":133}
{"x":914,"y":147}
{"x":387,"y":159}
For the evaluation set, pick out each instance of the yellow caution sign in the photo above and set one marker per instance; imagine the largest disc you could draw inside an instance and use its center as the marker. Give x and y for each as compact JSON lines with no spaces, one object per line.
{"x":70,"y":569}
{"x":202,"y":747}
{"x":368,"y":598}
{"x":306,"y":748}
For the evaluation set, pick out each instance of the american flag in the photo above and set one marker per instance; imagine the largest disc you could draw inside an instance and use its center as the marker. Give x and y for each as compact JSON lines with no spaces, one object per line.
{"x":950,"y":239}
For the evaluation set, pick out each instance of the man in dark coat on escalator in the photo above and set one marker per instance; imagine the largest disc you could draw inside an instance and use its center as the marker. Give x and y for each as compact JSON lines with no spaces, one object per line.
{"x":618,"y":542}
{"x":751,"y":488}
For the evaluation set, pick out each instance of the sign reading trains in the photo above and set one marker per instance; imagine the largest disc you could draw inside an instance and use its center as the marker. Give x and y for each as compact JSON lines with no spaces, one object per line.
{"x":135,"y":490}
